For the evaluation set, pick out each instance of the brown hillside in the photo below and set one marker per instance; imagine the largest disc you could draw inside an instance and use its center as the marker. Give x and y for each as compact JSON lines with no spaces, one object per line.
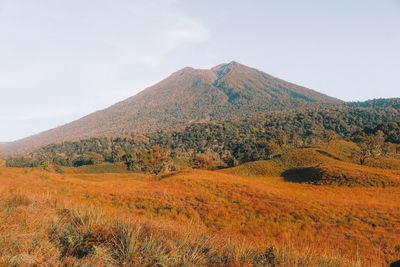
{"x":189,"y":95}
{"x":194,"y":217}
{"x":322,"y":166}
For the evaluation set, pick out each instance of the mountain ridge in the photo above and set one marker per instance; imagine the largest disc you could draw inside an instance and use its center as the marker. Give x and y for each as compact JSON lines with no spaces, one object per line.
{"x":189,"y":95}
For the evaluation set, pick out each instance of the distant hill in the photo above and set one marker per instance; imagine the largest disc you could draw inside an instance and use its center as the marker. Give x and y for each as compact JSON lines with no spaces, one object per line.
{"x":226,"y":91}
{"x":378,"y":103}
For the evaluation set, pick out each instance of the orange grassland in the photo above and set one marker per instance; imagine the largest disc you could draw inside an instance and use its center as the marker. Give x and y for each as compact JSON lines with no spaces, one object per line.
{"x":199,"y":217}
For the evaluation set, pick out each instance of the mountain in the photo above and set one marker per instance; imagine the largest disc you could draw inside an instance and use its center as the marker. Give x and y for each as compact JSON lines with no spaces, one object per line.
{"x":227,"y":91}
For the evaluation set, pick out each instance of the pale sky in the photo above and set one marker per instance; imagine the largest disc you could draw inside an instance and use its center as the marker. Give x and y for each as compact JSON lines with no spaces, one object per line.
{"x":63,"y":59}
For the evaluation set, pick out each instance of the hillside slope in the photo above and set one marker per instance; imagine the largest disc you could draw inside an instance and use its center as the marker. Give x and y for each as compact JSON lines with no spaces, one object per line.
{"x":322,"y":165}
{"x":226,"y":91}
{"x":194,"y":217}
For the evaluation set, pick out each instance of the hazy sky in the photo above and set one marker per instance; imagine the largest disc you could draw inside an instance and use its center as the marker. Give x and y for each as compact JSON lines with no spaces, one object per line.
{"x":60,"y":60}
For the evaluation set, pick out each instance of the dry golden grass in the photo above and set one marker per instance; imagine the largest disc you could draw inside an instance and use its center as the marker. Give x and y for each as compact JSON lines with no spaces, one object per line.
{"x":384,"y":163}
{"x":102,"y":168}
{"x":196,"y":217}
{"x":256,"y":169}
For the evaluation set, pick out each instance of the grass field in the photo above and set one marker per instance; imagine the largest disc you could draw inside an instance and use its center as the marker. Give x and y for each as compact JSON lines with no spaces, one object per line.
{"x":248,"y":215}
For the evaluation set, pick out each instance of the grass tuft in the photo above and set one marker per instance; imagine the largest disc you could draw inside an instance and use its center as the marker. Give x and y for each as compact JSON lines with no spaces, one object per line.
{"x":16,"y":201}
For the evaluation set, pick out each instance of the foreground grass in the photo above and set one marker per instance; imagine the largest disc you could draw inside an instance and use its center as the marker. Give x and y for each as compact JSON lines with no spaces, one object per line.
{"x":196,"y":218}
{"x":90,"y":237}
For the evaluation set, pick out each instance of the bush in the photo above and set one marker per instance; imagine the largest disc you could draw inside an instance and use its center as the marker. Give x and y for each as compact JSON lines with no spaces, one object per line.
{"x":86,"y":234}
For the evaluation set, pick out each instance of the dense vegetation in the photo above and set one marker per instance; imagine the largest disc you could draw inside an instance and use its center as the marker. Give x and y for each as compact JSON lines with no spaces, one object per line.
{"x":228,"y":143}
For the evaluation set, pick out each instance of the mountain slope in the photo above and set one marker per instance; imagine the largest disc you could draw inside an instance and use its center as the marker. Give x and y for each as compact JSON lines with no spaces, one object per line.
{"x":226,"y":91}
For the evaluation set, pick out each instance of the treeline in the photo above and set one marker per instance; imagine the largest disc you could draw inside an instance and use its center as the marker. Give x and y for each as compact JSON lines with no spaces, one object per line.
{"x":223,"y":144}
{"x":391,"y":131}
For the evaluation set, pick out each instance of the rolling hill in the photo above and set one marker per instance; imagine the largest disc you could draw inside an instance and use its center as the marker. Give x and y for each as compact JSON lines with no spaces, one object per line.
{"x":224,"y":92}
{"x":310,"y":206}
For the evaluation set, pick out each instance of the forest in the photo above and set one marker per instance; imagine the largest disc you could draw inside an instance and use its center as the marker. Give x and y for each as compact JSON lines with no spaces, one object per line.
{"x":229,"y":143}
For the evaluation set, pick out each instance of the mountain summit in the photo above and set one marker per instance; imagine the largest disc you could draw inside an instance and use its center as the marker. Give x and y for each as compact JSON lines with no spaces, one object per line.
{"x":226,"y":91}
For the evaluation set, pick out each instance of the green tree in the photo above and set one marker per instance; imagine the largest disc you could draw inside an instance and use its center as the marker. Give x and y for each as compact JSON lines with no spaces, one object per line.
{"x":203,"y":161}
{"x":117,"y":154}
{"x":371,"y":146}
{"x":282,"y":140}
{"x":272,"y":149}
{"x":96,"y":158}
{"x":156,"y":160}
{"x":208,"y":160}
{"x":330,"y":137}
{"x":132,"y":161}
{"x":228,"y":158}
{"x":296,"y":140}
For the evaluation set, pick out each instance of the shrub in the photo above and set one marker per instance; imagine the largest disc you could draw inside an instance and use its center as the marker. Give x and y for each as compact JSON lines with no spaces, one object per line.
{"x":85,"y":234}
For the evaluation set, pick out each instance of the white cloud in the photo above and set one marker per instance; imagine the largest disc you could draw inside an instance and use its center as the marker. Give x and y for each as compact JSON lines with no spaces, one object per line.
{"x":68,"y":58}
{"x":143,"y":32}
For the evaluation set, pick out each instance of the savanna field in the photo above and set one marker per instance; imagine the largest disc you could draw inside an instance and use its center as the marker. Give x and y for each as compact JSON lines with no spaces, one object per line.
{"x":314,"y":206}
{"x":171,"y":133}
{"x":199,"y":133}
